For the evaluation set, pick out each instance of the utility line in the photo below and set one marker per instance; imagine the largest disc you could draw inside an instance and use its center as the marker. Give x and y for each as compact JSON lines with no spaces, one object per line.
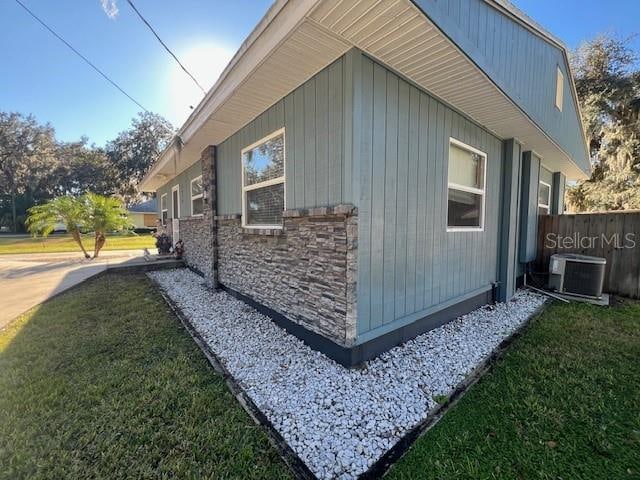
{"x":88,"y":62}
{"x":144,"y":20}
{"x":104,"y":75}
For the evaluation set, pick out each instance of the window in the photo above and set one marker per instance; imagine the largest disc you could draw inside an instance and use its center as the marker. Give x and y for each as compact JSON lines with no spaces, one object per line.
{"x":544,"y":198}
{"x":163,"y":208}
{"x":263,"y":182}
{"x":197,"y":196}
{"x":559,"y":88}
{"x":465,"y":198}
{"x":175,"y":201}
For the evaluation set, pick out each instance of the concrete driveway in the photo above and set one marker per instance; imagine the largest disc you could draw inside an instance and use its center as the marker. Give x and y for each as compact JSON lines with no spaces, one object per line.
{"x":28,"y":280}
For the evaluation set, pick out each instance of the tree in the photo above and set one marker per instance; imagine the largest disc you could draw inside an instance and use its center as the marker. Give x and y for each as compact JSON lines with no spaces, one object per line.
{"x":102,"y":215}
{"x":27,"y":153}
{"x":134,"y":150}
{"x":70,"y":210}
{"x":83,"y":168}
{"x":608,"y":91}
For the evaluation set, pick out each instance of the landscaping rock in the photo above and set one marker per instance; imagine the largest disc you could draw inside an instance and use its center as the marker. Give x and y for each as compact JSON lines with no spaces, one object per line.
{"x":340,"y":421}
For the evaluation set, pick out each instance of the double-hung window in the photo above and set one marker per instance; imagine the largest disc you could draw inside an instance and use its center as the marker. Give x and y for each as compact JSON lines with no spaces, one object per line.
{"x":466,"y":187}
{"x":197,"y":196}
{"x":544,"y":198}
{"x":163,"y":208}
{"x":263,"y":182}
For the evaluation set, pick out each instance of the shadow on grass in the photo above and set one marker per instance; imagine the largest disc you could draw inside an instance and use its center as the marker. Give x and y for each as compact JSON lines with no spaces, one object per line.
{"x":37,"y":268}
{"x":102,"y":381}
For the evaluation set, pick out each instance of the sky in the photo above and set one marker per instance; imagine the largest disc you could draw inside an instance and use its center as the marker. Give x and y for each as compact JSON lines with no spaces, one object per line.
{"x":39,"y":75}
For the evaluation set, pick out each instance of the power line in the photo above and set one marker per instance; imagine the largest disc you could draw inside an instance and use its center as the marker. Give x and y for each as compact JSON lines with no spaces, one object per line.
{"x":104,"y":75}
{"x":88,"y":62}
{"x":130,"y":2}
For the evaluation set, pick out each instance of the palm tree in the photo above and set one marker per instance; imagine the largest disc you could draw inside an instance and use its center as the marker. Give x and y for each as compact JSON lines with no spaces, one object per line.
{"x":103,"y":214}
{"x":69,"y":210}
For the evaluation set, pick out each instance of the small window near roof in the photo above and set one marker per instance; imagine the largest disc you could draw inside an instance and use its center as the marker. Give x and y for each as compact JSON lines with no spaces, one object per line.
{"x":163,"y":208}
{"x":263,"y":182}
{"x":197,"y":197}
{"x":544,"y":198}
{"x":466,"y":192}
{"x":559,"y":89}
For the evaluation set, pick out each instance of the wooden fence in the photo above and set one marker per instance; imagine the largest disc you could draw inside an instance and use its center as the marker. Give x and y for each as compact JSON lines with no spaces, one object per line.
{"x":612,"y":235}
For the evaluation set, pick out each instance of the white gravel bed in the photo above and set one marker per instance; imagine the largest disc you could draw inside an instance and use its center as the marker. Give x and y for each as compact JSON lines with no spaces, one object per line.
{"x":340,"y":421}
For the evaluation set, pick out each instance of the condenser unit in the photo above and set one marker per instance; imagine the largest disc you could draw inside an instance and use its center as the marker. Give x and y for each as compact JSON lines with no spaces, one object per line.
{"x":575,"y":274}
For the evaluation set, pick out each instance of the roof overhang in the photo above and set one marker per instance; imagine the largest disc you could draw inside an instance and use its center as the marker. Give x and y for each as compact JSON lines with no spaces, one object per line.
{"x":298,"y":38}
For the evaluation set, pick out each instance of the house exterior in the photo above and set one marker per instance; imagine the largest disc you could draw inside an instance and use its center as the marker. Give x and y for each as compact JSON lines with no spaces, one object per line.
{"x":364,"y":171}
{"x":144,"y":214}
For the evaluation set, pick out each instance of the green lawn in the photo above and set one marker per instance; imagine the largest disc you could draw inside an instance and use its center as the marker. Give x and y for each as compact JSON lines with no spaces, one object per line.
{"x":103,"y":382}
{"x":64,"y":243}
{"x":563,"y":403}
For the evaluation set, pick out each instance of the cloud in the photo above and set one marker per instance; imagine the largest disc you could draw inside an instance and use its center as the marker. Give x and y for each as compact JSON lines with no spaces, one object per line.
{"x":110,"y":8}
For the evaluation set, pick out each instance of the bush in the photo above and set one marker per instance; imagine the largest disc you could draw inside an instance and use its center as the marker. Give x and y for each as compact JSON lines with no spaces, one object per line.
{"x":163,"y":244}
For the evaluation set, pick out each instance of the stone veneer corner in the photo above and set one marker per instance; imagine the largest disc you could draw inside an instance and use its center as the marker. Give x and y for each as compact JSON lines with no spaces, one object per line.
{"x":306,"y":271}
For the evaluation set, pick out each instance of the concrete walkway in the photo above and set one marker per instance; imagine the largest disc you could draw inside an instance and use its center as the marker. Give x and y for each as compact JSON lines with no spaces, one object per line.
{"x":28,"y":280}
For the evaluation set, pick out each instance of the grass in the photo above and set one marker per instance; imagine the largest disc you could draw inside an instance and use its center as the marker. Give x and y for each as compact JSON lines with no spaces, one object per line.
{"x":103,"y":382}
{"x":64,"y":243}
{"x":564,"y":402}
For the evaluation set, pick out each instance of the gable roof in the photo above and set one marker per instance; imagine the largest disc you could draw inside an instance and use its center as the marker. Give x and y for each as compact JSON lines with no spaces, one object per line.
{"x":521,"y":59}
{"x":150,"y":206}
{"x":296,"y":39}
{"x":527,"y":20}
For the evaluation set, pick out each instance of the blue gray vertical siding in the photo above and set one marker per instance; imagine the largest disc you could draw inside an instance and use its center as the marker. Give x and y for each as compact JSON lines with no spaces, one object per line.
{"x":317,"y":167}
{"x":528,"y":234}
{"x":521,"y":63}
{"x":510,"y":220}
{"x":557,"y":193}
{"x":184,"y":180}
{"x":358,"y":133}
{"x":408,"y":264}
{"x":529,"y":207}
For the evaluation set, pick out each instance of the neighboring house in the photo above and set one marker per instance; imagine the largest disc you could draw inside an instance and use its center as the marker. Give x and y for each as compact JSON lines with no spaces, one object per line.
{"x":364,"y":171}
{"x":144,"y":214}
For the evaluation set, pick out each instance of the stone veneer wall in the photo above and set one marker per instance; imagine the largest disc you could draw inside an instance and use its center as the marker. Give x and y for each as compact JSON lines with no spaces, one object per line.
{"x":196,"y":235}
{"x":306,"y":271}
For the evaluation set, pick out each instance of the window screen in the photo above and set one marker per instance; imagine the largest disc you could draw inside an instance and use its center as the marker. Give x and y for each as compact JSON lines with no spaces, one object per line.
{"x":465,"y":197}
{"x":263,"y":181}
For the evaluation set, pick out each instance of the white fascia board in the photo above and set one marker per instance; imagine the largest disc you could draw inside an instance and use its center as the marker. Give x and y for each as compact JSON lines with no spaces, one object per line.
{"x":149,"y":182}
{"x":283,"y":17}
{"x":279,"y":21}
{"x":525,"y":20}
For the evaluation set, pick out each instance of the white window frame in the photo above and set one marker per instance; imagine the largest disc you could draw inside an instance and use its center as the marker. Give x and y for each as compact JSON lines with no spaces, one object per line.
{"x":266,"y":183}
{"x":196,"y":197}
{"x":542,"y":205}
{"x":464,"y":188}
{"x":165,"y":209}
{"x":559,"y":88}
{"x":175,"y":188}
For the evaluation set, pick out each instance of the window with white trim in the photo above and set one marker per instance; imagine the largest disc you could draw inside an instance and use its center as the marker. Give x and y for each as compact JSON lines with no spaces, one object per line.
{"x":263,"y":166}
{"x":544,"y":198}
{"x":164,"y":213}
{"x":175,"y":201}
{"x":559,"y":88}
{"x":197,"y":196}
{"x":466,"y":187}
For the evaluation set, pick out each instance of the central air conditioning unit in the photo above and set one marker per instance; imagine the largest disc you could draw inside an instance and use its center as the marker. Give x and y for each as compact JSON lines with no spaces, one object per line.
{"x":575,"y":274}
